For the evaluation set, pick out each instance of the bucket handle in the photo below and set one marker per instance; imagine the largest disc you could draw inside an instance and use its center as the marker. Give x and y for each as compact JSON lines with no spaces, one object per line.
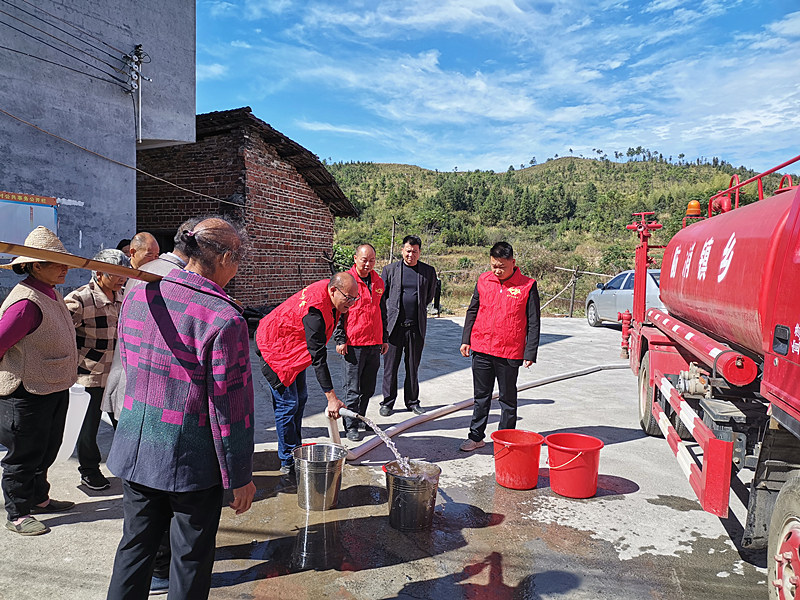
{"x":566,"y":463}
{"x":498,"y":453}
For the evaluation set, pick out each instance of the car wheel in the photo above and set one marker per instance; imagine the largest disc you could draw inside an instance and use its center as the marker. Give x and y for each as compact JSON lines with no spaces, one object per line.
{"x":591,"y":315}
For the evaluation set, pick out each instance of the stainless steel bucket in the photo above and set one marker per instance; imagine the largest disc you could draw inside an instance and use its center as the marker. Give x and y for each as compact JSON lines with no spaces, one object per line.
{"x":412,"y":498}
{"x":319,"y":475}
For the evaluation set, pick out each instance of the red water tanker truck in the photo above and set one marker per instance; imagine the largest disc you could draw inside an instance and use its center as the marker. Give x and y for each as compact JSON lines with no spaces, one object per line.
{"x":719,"y":370}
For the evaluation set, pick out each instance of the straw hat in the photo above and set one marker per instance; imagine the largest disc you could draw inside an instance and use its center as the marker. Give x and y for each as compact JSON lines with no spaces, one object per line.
{"x":41,"y":238}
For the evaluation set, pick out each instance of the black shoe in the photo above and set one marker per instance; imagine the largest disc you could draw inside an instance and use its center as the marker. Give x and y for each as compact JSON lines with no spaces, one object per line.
{"x":385,"y":411}
{"x":95,"y":481}
{"x":353,"y":435}
{"x":417,"y":409}
{"x":53,"y":506}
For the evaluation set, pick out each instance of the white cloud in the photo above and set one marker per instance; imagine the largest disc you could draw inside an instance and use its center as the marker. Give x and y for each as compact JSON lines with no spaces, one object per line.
{"x":788,"y":26}
{"x":240,"y":44}
{"x":212,"y":71}
{"x":339,"y":129}
{"x":662,"y":5}
{"x":219,"y":8}
{"x":259,"y":9}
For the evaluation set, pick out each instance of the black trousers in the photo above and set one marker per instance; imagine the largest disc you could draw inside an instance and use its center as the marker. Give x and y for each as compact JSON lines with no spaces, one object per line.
{"x":485,"y":370}
{"x":88,"y":452}
{"x":406,"y":341}
{"x":361,"y":364}
{"x":32,"y":428}
{"x":193,"y":520}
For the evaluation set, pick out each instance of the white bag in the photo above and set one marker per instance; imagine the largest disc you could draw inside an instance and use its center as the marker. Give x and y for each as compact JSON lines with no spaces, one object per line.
{"x":78,"y":404}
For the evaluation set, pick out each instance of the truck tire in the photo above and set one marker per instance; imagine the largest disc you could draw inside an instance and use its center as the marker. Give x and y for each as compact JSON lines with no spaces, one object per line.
{"x":783,"y":561}
{"x":646,"y":419}
{"x":681,"y":429}
{"x":591,"y":315}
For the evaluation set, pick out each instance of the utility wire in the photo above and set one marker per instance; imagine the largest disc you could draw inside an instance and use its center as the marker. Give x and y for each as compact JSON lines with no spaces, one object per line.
{"x":74,"y":27}
{"x":116,"y":162}
{"x":66,"y":32}
{"x":125,"y":83}
{"x":52,"y":62}
{"x":100,"y":60}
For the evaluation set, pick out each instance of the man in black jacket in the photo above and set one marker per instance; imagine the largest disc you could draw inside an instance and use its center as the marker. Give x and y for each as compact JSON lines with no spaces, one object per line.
{"x":410,"y":287}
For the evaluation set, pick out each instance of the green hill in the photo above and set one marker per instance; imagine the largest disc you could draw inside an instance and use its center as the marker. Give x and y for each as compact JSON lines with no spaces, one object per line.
{"x":568,"y":212}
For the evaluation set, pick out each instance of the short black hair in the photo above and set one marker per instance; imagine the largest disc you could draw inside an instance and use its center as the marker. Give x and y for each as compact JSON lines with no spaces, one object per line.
{"x":413,"y":240}
{"x":122,"y":243}
{"x":502,"y":250}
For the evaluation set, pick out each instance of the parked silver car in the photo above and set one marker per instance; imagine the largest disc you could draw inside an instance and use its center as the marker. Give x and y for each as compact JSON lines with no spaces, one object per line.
{"x":616,"y":296}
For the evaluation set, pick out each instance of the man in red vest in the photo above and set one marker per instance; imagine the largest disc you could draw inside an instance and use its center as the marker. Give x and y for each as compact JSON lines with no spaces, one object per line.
{"x":362,"y":338}
{"x":501,"y":330}
{"x":293,"y":337}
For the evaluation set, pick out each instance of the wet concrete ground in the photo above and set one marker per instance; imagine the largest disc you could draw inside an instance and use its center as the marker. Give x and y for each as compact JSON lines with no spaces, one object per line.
{"x":642,"y":536}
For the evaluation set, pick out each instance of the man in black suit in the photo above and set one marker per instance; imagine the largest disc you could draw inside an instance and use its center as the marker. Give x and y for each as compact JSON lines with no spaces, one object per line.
{"x":410,"y":287}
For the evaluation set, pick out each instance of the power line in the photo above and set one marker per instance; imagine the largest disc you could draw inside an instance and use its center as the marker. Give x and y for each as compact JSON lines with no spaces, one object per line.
{"x":66,"y":32}
{"x":52,"y":62}
{"x":125,"y":83}
{"x":100,"y":60}
{"x":73,"y":26}
{"x":116,"y":162}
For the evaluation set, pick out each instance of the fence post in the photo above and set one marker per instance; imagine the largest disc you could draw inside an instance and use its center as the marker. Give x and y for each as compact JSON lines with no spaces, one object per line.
{"x":572,"y":294}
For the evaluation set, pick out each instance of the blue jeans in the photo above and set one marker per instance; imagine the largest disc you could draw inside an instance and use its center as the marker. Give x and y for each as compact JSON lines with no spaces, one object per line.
{"x":289,"y":407}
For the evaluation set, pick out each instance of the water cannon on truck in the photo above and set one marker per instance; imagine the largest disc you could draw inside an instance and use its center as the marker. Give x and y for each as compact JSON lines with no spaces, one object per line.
{"x":719,"y":369}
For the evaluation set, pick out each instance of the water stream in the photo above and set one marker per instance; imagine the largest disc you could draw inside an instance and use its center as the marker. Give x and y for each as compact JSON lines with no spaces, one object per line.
{"x":402,"y":462}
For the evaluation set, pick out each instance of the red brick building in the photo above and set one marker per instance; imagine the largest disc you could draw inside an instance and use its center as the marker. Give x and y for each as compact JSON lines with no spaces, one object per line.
{"x":283,"y":194}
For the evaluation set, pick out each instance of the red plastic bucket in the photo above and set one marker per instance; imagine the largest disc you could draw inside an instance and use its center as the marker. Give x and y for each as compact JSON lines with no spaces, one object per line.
{"x":573,"y":459}
{"x":516,"y":458}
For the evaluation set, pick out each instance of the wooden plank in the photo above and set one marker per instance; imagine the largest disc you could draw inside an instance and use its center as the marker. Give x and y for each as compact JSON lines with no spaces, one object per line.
{"x":76,"y":262}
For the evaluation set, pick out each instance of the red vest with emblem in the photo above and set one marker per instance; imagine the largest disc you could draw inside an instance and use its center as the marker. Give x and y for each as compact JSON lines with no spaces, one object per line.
{"x":502,"y":323}
{"x":364,"y":322}
{"x":281,"y":338}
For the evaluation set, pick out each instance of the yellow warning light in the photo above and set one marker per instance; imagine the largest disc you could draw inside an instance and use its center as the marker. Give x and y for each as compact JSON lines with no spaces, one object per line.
{"x":693,"y":209}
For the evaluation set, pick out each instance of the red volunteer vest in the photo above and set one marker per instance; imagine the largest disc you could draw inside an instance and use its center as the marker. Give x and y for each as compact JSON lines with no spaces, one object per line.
{"x":502,"y":324}
{"x":364,"y":323}
{"x":281,"y":338}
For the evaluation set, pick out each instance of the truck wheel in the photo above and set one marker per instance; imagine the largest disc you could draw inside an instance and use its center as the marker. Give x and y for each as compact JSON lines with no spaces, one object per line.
{"x":646,"y":419}
{"x":591,"y":315}
{"x":783,"y":556}
{"x":681,"y":429}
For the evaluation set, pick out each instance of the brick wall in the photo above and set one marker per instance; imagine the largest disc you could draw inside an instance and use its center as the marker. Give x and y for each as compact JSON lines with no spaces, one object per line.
{"x":289,"y":226}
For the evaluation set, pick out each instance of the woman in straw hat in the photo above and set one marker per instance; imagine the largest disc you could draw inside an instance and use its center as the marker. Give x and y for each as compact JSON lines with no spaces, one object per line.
{"x":38,"y":364}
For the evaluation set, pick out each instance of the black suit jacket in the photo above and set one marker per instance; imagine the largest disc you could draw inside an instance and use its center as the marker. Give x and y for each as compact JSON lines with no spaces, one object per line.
{"x":426,"y":291}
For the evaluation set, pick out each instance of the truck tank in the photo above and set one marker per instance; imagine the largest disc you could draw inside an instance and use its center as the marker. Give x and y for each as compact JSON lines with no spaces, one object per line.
{"x":716,"y":273}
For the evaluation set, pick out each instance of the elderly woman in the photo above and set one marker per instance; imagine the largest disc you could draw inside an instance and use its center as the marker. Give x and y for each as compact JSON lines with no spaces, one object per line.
{"x":95,"y":310}
{"x":185,"y":432}
{"x":38,"y":364}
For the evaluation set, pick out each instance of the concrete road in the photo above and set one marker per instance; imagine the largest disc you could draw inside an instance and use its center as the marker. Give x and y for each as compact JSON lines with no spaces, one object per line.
{"x":642,"y":536}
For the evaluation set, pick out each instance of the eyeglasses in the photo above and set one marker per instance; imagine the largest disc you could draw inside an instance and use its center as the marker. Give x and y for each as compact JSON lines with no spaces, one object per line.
{"x":348,"y":299}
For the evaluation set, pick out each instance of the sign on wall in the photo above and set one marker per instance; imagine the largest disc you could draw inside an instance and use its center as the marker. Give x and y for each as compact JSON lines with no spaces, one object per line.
{"x":22,"y":213}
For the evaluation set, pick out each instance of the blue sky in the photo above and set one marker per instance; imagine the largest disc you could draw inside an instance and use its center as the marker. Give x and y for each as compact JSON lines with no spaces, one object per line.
{"x":481,"y":84}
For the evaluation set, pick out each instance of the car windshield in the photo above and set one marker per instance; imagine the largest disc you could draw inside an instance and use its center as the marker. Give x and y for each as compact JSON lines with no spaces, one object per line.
{"x":657,"y":278}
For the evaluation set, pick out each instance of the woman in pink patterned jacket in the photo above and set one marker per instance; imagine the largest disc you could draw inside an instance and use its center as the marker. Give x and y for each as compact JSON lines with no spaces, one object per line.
{"x":186,"y":428}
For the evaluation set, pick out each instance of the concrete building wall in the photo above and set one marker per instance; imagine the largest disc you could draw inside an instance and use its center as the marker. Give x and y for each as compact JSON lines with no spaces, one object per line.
{"x":84,"y":105}
{"x":289,"y":226}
